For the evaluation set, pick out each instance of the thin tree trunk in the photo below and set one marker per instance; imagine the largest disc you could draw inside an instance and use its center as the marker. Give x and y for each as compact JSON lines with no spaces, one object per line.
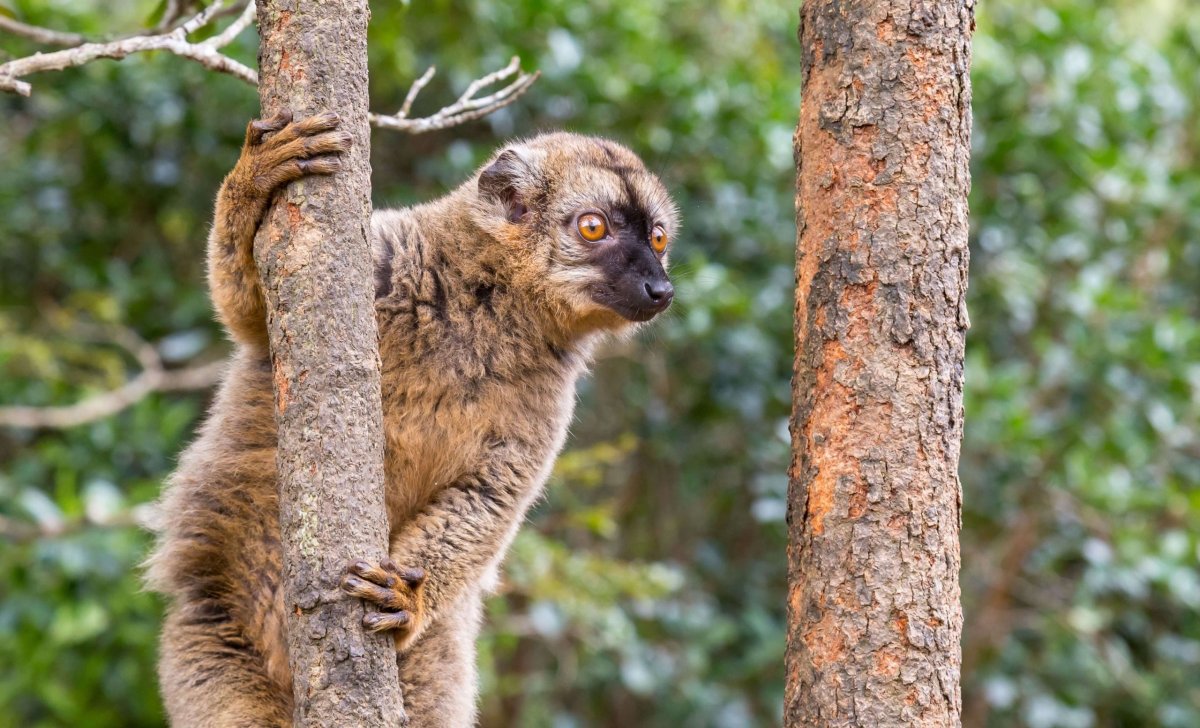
{"x":882,"y":153}
{"x":314,"y":257}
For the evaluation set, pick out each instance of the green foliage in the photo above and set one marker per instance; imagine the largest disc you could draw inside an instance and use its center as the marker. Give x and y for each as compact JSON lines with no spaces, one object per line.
{"x":648,"y":589}
{"x":1083,"y":386}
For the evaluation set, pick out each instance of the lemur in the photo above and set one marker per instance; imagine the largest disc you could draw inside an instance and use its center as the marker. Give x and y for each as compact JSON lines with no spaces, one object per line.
{"x":489,"y":303}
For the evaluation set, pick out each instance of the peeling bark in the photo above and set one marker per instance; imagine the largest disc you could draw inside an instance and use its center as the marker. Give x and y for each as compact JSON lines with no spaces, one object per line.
{"x":882,"y":150}
{"x":313,"y":254}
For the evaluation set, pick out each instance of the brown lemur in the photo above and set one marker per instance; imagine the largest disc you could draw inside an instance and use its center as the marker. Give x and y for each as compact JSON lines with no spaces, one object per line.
{"x":489,"y":302}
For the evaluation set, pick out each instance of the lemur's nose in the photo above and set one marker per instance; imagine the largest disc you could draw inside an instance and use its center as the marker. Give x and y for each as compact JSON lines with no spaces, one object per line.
{"x":660,"y":291}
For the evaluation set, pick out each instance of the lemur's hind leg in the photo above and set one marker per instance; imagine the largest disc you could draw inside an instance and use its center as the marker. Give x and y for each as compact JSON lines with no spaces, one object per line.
{"x":212,"y":676}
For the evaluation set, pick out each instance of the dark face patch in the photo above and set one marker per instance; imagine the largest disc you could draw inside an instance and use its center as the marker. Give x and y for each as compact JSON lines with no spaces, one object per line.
{"x":634,"y":283}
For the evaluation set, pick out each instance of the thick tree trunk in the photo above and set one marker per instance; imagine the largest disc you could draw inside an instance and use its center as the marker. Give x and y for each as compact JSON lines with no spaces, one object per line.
{"x":882,"y":153}
{"x":314,"y":257}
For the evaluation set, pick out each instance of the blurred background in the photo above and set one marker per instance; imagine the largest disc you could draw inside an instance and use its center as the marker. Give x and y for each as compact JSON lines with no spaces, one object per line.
{"x":648,"y":589}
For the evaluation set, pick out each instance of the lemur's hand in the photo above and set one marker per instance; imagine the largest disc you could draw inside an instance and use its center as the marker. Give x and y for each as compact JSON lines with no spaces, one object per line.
{"x":397,"y":592}
{"x":293,"y":150}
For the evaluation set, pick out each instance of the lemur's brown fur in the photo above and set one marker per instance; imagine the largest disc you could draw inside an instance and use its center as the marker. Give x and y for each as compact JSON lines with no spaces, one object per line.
{"x":489,"y":302}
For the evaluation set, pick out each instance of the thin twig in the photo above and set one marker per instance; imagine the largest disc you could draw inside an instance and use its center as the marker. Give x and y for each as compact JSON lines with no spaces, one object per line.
{"x":415,"y":89}
{"x":235,"y":28}
{"x":466,"y":108}
{"x":152,"y":378}
{"x":40,"y":35}
{"x":170,"y":14}
{"x":205,"y":53}
{"x":201,"y":19}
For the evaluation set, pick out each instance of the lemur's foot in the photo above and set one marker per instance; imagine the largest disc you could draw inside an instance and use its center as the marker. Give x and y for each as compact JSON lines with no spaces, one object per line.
{"x":397,"y":592}
{"x":279,"y":150}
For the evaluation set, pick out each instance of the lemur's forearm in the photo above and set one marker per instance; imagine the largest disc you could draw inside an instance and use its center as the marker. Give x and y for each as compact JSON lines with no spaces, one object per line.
{"x":232,"y":276}
{"x":446,"y":548}
{"x":266,"y":165}
{"x":465,"y":529}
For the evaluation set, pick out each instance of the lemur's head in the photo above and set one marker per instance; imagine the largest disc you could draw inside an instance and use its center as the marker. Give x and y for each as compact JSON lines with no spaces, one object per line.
{"x":590,"y":225}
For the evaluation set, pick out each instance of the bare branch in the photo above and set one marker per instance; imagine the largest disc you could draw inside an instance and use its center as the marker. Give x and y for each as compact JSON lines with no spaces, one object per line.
{"x":188,"y":379}
{"x":466,"y":108}
{"x":40,"y":35}
{"x":12,"y":530}
{"x":153,"y":378}
{"x":205,"y":53}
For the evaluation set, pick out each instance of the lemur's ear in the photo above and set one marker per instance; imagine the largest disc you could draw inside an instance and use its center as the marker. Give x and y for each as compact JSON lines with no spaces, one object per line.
{"x":502,"y":182}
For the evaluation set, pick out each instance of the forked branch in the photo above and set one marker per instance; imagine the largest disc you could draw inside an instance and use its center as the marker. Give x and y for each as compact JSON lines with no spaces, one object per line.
{"x":466,"y":108}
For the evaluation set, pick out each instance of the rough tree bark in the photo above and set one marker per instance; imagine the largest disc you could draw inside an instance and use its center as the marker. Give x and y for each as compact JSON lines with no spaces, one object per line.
{"x":314,"y":257}
{"x":882,"y":152}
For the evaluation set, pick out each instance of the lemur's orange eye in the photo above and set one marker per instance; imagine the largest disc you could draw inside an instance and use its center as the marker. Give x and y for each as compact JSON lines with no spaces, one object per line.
{"x":658,"y":239}
{"x":592,"y":226}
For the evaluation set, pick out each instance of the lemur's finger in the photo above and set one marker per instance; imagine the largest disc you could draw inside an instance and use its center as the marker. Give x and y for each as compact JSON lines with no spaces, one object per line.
{"x":333,"y":142}
{"x":384,"y":597}
{"x":256,"y":129}
{"x":308,"y":126}
{"x":414,"y":577}
{"x":387,"y":574}
{"x":374,"y":574}
{"x":320,"y":165}
{"x":328,"y":143}
{"x":318,"y":123}
{"x":294,"y":169}
{"x":383,"y":621}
